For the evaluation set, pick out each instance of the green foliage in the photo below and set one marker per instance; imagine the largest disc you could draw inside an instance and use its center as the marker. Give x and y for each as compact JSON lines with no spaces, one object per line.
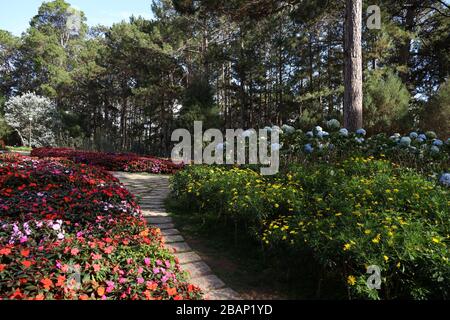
{"x":344,"y":216}
{"x":436,"y":113}
{"x":386,"y":102}
{"x":5,"y":130}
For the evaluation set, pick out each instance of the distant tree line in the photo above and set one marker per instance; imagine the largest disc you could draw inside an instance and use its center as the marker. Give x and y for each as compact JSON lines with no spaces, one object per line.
{"x":230,"y":63}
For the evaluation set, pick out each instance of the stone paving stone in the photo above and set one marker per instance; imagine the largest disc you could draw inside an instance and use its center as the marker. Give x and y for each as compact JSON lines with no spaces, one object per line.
{"x":222,"y":294}
{"x":187,"y":257}
{"x":173,"y":239}
{"x":178,"y":247}
{"x":148,"y":213}
{"x":151,"y":204}
{"x":170,"y":232}
{"x":197,"y":269}
{"x":158,"y":220}
{"x":208,"y":283}
{"x":163,"y":226}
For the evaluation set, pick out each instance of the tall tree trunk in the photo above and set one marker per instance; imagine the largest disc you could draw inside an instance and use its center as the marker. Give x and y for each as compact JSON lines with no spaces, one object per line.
{"x":353,"y":95}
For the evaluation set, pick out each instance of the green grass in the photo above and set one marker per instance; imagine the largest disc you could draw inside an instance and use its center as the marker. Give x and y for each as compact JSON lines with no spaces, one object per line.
{"x":16,"y":149}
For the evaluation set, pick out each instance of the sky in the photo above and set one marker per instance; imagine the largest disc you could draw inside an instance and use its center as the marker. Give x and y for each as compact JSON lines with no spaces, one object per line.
{"x":15,"y":15}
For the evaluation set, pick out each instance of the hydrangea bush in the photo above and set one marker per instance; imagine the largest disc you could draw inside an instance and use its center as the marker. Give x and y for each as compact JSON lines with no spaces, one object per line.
{"x":423,"y":152}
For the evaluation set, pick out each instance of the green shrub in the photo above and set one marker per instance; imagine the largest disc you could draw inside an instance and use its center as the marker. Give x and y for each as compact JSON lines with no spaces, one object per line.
{"x":346,"y":217}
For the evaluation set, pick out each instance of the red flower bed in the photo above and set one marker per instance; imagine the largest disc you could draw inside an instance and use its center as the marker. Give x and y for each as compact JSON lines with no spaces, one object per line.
{"x":128,"y":162}
{"x":71,"y":231}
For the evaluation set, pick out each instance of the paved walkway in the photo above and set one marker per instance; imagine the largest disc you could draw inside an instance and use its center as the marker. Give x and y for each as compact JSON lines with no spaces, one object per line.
{"x":152,"y":190}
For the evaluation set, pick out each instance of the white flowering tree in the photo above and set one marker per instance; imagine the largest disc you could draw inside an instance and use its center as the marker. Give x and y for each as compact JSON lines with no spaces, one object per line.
{"x":32,"y":117}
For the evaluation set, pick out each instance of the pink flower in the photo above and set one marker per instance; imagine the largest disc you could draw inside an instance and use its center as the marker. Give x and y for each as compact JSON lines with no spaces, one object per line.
{"x":96,"y":267}
{"x":168,"y":265}
{"x":140,"y":280}
{"x":155,"y":270}
{"x":110,"y":287}
{"x":109,"y":250}
{"x":122,"y":280}
{"x":96,"y":256}
{"x":74,"y":251}
{"x":147,"y":261}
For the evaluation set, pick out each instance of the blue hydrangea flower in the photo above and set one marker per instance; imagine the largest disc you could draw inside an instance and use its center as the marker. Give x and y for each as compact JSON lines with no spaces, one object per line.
{"x":287,"y":129}
{"x":405,"y":141}
{"x":361,"y":132}
{"x":445,"y":179}
{"x":434,"y":149}
{"x":308,"y":148}
{"x":437,"y":143}
{"x":322,"y":134}
{"x":343,"y":132}
{"x":420,"y":140}
{"x":359,"y":140}
{"x":395,"y":137}
{"x":310,"y":134}
{"x":413,"y":135}
{"x":422,"y":136}
{"x":317,"y":129}
{"x":333,"y":124}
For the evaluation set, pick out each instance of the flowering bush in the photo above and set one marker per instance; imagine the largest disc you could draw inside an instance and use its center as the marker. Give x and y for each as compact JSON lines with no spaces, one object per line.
{"x":111,"y":161}
{"x":423,"y":152}
{"x":345,"y":216}
{"x":71,"y":231}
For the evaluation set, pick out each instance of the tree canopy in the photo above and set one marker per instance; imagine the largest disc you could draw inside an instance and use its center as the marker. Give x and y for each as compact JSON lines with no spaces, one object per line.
{"x":230,"y":63}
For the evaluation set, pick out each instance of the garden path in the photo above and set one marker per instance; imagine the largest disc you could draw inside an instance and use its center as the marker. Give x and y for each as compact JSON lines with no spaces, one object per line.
{"x":152,"y":190}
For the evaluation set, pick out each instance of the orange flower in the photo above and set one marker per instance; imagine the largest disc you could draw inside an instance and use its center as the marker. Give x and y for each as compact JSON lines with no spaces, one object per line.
{"x":178,"y":297}
{"x":25,"y":252}
{"x":191,"y":288}
{"x":83,"y":297}
{"x":17,"y":294}
{"x":5,"y":251}
{"x":101,"y":291}
{"x":27,"y":263}
{"x":39,"y":297}
{"x":171,"y":291}
{"x":48,"y":283}
{"x":61,"y":281}
{"x":144,"y":233}
{"x":2,"y":267}
{"x":152,"y":286}
{"x":148,"y":295}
